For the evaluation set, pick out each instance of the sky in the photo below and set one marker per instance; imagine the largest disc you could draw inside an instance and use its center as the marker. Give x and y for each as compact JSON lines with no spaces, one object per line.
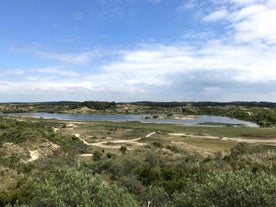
{"x":137,"y":50}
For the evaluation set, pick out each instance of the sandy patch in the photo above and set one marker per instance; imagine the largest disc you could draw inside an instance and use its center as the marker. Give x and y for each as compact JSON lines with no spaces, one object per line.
{"x":177,"y":134}
{"x":150,"y":134}
{"x":35,"y":154}
{"x":85,"y":155}
{"x":55,"y":129}
{"x":236,"y":139}
{"x":189,"y":117}
{"x":71,"y":125}
{"x":46,"y":148}
{"x":116,"y":144}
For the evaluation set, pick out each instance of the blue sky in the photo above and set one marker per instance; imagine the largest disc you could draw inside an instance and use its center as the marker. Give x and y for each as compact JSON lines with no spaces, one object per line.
{"x":131,"y":50}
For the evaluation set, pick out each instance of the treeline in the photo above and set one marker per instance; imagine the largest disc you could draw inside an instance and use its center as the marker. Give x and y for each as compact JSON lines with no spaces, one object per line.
{"x":99,"y":105}
{"x":106,"y":104}
{"x":54,"y":107}
{"x":206,"y":103}
{"x":263,"y":116}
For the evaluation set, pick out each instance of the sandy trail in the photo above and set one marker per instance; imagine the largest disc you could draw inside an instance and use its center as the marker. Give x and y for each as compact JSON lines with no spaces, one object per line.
{"x":85,"y":155}
{"x":112,"y":143}
{"x":237,"y":139}
{"x":150,"y":134}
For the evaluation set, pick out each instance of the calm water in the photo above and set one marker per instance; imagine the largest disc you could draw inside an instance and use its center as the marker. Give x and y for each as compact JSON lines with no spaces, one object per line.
{"x":137,"y":117}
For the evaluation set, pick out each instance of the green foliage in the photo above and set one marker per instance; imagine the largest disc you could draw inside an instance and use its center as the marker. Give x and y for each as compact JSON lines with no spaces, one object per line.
{"x":99,"y":105}
{"x":18,"y":132}
{"x":13,"y":186}
{"x":97,"y":155}
{"x":70,"y":144}
{"x":67,"y":187}
{"x":173,"y":148}
{"x":158,"y":144}
{"x":230,"y":188}
{"x":123,"y":149}
{"x":156,"y":197}
{"x":110,"y":155}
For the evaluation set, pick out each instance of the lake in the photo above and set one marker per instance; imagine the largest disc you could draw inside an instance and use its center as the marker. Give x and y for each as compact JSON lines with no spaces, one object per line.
{"x":144,"y":118}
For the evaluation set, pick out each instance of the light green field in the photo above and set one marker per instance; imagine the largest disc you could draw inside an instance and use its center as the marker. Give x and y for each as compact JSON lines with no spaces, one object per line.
{"x":195,"y":138}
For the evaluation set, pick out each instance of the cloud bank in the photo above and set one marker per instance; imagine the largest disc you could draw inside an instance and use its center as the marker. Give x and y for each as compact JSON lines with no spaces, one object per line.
{"x":239,"y":65}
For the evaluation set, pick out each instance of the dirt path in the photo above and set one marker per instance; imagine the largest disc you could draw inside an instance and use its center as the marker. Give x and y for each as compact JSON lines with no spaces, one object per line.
{"x":237,"y":139}
{"x":112,"y":144}
{"x":85,"y":155}
{"x":150,"y":134}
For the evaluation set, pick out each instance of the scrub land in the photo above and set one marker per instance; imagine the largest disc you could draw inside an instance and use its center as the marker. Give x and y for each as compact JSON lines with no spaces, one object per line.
{"x":50,"y":162}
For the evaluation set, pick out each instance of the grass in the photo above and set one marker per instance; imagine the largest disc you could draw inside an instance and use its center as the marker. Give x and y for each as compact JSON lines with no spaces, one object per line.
{"x":99,"y":131}
{"x":105,"y":127}
{"x":132,"y":130}
{"x":210,"y":145}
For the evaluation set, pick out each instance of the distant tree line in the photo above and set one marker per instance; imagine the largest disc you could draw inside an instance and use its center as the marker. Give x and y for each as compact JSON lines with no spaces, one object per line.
{"x":207,"y":103}
{"x":99,"y":105}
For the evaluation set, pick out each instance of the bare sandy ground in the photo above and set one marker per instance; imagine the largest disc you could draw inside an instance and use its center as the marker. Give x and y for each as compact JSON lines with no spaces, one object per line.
{"x":45,"y":148}
{"x":237,"y":139}
{"x":34,"y":155}
{"x":85,"y":155}
{"x":115,"y":144}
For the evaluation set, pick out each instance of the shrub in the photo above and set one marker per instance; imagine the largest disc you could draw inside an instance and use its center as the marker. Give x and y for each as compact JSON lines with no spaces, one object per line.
{"x":230,"y":188}
{"x":68,"y":187}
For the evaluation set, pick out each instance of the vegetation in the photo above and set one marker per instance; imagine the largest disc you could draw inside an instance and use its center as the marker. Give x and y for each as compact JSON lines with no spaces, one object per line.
{"x":262,"y":113}
{"x":99,"y":105}
{"x":62,"y":163}
{"x":71,"y":187}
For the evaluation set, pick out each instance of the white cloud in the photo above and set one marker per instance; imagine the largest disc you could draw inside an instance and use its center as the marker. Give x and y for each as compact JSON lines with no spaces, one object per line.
{"x":149,"y":69}
{"x":73,"y":58}
{"x":246,"y":2}
{"x":248,"y":21}
{"x":16,"y":71}
{"x":255,"y":23}
{"x":198,"y":35}
{"x":176,"y":71}
{"x":190,"y":5}
{"x":238,"y":66}
{"x":37,"y":85}
{"x":55,"y":71}
{"x":216,"y":15}
{"x":67,"y":58}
